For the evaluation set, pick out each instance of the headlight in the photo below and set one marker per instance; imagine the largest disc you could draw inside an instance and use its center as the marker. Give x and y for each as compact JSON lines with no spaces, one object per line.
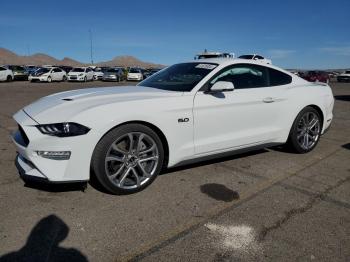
{"x":63,"y":129}
{"x":81,"y":74}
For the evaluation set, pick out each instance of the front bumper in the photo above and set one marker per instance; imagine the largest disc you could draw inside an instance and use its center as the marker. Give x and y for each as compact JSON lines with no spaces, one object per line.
{"x":76,"y":78}
{"x":110,"y":78}
{"x":38,"y":78}
{"x":134,"y":78}
{"x":20,"y":77}
{"x":29,"y":140}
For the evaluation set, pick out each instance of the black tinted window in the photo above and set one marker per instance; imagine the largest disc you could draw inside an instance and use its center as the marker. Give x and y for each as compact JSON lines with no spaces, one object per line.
{"x":277,"y":78}
{"x":244,"y":76}
{"x":2,"y":69}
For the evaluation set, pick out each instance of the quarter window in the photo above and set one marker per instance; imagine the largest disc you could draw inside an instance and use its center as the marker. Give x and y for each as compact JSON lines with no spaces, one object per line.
{"x":278,"y":78}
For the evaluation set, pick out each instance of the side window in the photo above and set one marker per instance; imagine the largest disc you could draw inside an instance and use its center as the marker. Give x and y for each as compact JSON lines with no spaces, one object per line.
{"x":278,"y":78}
{"x":244,"y":76}
{"x":259,"y":57}
{"x":2,"y":69}
{"x":56,"y":70}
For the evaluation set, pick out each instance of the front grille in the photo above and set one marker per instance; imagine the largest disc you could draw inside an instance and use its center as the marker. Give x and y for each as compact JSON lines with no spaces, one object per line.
{"x":23,"y":135}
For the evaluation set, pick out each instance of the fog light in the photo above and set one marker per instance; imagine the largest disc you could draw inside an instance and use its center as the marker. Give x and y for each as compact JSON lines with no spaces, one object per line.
{"x":55,"y":155}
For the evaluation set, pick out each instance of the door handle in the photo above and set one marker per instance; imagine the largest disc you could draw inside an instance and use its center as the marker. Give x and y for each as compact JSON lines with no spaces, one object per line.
{"x":268,"y":100}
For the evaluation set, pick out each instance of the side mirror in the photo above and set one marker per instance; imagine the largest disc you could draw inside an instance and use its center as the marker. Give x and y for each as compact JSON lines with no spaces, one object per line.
{"x":221,"y":86}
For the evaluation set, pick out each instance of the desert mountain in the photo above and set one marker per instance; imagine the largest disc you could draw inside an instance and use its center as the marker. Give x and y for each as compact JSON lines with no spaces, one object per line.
{"x":129,"y":61}
{"x":9,"y":57}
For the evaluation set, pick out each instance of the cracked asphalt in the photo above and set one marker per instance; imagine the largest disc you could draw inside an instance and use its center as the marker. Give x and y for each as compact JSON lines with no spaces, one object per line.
{"x":266,"y":205}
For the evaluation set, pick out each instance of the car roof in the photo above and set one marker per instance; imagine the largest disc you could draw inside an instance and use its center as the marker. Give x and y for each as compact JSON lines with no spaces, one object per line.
{"x":223,"y":62}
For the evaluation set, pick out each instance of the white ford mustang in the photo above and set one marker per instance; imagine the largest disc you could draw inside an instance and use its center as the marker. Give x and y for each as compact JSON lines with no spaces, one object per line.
{"x":188,"y":111}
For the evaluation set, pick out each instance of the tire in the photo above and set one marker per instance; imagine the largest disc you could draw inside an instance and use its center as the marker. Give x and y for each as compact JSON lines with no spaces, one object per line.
{"x":306,"y":131}
{"x":124,"y":170}
{"x":85,"y":79}
{"x":49,"y":79}
{"x":9,"y":79}
{"x":118,"y":79}
{"x":64,"y":79}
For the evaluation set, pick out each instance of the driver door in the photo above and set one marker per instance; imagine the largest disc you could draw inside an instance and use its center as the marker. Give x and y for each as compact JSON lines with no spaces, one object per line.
{"x":244,"y":117}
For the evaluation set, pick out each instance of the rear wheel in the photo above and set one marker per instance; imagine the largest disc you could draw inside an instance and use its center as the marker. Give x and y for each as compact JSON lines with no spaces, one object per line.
{"x":306,"y":131}
{"x":128,"y":159}
{"x":49,"y":79}
{"x":64,"y":78}
{"x":9,"y":79}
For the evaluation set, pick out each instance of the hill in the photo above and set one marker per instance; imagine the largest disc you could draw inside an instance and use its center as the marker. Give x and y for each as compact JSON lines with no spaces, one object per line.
{"x":9,"y":57}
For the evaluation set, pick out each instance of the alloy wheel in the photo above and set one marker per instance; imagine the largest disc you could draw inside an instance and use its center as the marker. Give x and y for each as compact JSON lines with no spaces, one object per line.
{"x":131,"y":160}
{"x":308,"y":130}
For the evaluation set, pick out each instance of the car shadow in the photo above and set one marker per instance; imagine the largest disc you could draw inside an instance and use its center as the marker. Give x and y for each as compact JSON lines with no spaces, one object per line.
{"x":219,"y":192}
{"x":342,"y":98}
{"x":346,"y":146}
{"x":43,"y":244}
{"x":56,"y":188}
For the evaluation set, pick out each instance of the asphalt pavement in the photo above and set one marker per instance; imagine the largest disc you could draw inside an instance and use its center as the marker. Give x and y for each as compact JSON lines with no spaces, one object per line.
{"x":266,"y":205}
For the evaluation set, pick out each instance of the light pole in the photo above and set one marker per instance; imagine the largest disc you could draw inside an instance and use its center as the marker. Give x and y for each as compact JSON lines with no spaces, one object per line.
{"x":90,"y":33}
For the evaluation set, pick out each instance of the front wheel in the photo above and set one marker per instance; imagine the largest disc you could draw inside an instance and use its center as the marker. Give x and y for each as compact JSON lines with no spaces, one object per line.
{"x":49,"y":79}
{"x":306,"y":131}
{"x":128,"y":159}
{"x":9,"y":79}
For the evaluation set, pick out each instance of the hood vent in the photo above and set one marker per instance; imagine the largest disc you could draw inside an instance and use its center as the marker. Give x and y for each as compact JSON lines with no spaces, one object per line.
{"x":67,"y":99}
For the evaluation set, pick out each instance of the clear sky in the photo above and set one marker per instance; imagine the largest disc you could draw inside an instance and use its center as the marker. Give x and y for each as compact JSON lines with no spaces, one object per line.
{"x":293,"y":33}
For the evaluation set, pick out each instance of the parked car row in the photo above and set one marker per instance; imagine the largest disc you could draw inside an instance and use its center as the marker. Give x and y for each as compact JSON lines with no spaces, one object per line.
{"x":50,"y":73}
{"x":323,"y":76}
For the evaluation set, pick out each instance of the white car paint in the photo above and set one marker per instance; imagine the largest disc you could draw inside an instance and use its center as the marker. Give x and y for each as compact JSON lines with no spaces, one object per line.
{"x":134,"y":75}
{"x":231,"y":121}
{"x":53,"y":74}
{"x":81,"y":74}
{"x":257,"y":58}
{"x":5,"y":73}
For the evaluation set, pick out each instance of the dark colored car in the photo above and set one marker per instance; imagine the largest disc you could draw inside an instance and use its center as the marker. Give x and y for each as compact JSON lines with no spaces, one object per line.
{"x":316,"y":76}
{"x":113,"y":74}
{"x":344,"y":77}
{"x":31,"y":69}
{"x":67,"y":69}
{"x":19,"y":72}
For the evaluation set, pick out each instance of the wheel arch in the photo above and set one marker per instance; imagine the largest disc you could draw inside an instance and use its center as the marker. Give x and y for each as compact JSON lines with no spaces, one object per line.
{"x":319,"y":111}
{"x":316,"y":107}
{"x":156,"y":129}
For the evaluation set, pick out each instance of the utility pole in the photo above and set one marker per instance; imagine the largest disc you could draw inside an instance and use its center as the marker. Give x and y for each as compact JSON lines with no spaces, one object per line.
{"x":90,"y":33}
{"x":28,"y":50}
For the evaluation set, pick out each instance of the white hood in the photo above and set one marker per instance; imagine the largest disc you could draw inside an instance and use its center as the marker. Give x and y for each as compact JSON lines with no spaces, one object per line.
{"x":62,"y":106}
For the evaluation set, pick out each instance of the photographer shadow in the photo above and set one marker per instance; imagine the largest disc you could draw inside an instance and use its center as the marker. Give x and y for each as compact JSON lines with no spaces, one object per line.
{"x":43,"y":244}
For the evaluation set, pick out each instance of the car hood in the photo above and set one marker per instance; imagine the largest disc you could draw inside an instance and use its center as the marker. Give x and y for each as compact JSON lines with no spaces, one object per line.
{"x":75,"y":73}
{"x":61,"y":107}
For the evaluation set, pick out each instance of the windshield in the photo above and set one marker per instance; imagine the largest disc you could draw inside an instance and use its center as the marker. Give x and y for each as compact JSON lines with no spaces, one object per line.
{"x":16,"y":68}
{"x":112,"y":70}
{"x":42,"y":70}
{"x":180,"y":77}
{"x":246,"y":57}
{"x":78,"y":69}
{"x":134,"y":70}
